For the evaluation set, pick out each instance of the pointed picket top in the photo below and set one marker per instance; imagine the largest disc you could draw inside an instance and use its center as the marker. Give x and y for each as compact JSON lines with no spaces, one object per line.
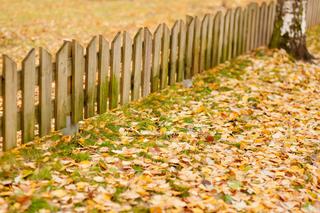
{"x":158,"y":31}
{"x":30,"y":57}
{"x":93,"y":42}
{"x":165,"y":27}
{"x":117,"y":38}
{"x":176,"y":25}
{"x":189,"y":19}
{"x":63,"y":49}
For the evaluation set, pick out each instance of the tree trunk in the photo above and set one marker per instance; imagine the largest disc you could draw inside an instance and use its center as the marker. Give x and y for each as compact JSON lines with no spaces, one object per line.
{"x":290,"y":29}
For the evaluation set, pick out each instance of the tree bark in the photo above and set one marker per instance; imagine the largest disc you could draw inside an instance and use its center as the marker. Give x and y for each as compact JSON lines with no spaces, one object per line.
{"x":290,"y":29}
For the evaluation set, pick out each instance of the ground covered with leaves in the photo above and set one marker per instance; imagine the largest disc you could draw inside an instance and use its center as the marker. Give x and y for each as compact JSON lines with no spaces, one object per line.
{"x":244,"y":137}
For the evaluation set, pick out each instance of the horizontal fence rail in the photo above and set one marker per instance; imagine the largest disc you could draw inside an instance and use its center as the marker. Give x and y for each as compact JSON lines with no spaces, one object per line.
{"x":83,"y":82}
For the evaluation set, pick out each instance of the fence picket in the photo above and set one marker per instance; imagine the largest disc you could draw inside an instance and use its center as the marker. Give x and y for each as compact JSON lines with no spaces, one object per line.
{"x":45,"y":82}
{"x":209,"y":43}
{"x":174,"y":52}
{"x":236,"y":33}
{"x":126,"y":69}
{"x":249,"y":37}
{"x":245,"y":30}
{"x":137,"y":65}
{"x":217,"y":36}
{"x":61,"y":95}
{"x":256,"y":26}
{"x":147,"y":62}
{"x":226,"y":36}
{"x":91,"y":72}
{"x":181,"y":52}
{"x":165,"y":49}
{"x":189,"y":47}
{"x":265,"y":24}
{"x":115,"y":72}
{"x":203,"y":43}
{"x":9,"y":103}
{"x":157,"y":42}
{"x":103,"y":74}
{"x":28,"y":96}
{"x":231,"y":34}
{"x":78,"y":69}
{"x":196,"y":46}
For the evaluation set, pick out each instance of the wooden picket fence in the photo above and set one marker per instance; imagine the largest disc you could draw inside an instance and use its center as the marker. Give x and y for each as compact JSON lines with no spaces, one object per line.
{"x":84,"y":82}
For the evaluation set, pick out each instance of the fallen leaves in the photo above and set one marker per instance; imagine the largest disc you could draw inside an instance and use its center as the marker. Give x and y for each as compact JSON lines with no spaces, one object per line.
{"x":244,"y":137}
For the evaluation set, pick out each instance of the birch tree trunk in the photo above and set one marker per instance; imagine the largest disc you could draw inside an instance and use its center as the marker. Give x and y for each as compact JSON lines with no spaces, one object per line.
{"x":290,"y":29}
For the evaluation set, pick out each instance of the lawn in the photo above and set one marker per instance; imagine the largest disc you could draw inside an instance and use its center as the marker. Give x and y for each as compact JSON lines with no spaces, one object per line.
{"x":26,"y":24}
{"x":244,"y":137}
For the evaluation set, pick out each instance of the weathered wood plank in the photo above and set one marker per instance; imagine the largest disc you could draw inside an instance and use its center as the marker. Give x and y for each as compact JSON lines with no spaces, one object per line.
{"x":137,"y":65}
{"x":103,"y":74}
{"x":115,"y":72}
{"x":126,"y":69}
{"x":231,"y":35}
{"x":156,"y":58}
{"x":77,"y":94}
{"x":236,"y":32}
{"x":91,"y":72}
{"x":250,"y":16}
{"x":225,"y":48}
{"x":174,"y":52}
{"x":245,"y":30}
{"x":196,"y":46}
{"x":182,"y":52}
{"x":9,"y":103}
{"x":189,"y":48}
{"x":217,"y":39}
{"x":240,"y":32}
{"x":165,"y":49}
{"x":265,"y":24}
{"x":270,"y":20}
{"x":45,"y":81}
{"x":203,"y":43}
{"x":209,"y":43}
{"x":147,"y":62}
{"x":256,"y":26}
{"x":273,"y":18}
{"x":28,"y":96}
{"x":61,"y":81}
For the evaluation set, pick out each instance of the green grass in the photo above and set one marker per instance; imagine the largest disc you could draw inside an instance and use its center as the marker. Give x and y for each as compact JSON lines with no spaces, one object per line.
{"x":38,"y":204}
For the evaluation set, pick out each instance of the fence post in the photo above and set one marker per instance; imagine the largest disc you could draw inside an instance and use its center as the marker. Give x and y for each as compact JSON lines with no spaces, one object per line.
{"x":165,"y":49}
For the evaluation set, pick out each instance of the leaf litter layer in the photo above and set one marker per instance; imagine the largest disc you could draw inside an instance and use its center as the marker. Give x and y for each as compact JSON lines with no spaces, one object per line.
{"x":245,"y":137}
